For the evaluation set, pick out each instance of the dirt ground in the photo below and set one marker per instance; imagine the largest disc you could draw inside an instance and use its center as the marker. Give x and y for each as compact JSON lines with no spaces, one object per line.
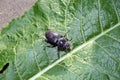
{"x":10,"y":9}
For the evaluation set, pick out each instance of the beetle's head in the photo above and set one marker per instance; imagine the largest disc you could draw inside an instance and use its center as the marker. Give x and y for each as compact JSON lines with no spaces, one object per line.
{"x":64,"y":44}
{"x":67,"y":46}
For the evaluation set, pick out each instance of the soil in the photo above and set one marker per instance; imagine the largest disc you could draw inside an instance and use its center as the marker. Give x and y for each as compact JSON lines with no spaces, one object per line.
{"x":10,"y":9}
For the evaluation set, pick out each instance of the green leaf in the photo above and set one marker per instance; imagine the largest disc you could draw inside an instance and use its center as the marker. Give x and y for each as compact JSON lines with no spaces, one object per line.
{"x":93,"y":25}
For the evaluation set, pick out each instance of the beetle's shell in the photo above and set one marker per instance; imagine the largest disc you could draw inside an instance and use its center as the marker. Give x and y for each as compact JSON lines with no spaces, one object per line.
{"x":52,"y":37}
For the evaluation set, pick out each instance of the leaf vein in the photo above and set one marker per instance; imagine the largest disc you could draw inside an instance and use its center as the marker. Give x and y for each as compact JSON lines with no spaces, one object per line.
{"x":112,"y":37}
{"x":65,"y":23}
{"x":96,"y":68}
{"x":17,"y":70}
{"x":107,"y":52}
{"x":45,"y":78}
{"x":36,"y":59}
{"x":69,"y":70}
{"x":81,"y":28}
{"x":99,"y":19}
{"x":115,"y":8}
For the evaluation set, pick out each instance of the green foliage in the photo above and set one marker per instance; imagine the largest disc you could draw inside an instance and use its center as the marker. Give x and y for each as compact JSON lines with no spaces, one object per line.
{"x":93,"y":25}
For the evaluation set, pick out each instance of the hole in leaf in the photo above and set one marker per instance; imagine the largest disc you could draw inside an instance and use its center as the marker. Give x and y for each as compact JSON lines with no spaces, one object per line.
{"x":4,"y":68}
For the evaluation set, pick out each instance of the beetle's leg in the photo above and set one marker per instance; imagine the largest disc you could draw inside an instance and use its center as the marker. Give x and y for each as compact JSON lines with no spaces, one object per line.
{"x":46,"y":40}
{"x":58,"y":53}
{"x":51,"y":46}
{"x":69,"y":39}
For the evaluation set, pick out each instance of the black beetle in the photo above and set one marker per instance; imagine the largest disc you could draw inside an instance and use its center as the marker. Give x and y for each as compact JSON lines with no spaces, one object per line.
{"x":56,"y":39}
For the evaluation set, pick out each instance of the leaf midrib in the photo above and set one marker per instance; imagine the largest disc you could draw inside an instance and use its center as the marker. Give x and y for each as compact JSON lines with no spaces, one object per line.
{"x":73,"y":51}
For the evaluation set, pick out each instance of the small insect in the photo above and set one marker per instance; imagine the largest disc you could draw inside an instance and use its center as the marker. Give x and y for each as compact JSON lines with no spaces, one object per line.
{"x":56,"y":39}
{"x":4,"y":68}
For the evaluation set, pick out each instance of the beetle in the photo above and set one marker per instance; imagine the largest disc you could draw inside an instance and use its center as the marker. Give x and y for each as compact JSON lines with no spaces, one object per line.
{"x":56,"y":39}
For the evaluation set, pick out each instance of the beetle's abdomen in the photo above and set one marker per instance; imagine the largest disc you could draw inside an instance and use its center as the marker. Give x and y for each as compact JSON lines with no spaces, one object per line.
{"x":51,"y":37}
